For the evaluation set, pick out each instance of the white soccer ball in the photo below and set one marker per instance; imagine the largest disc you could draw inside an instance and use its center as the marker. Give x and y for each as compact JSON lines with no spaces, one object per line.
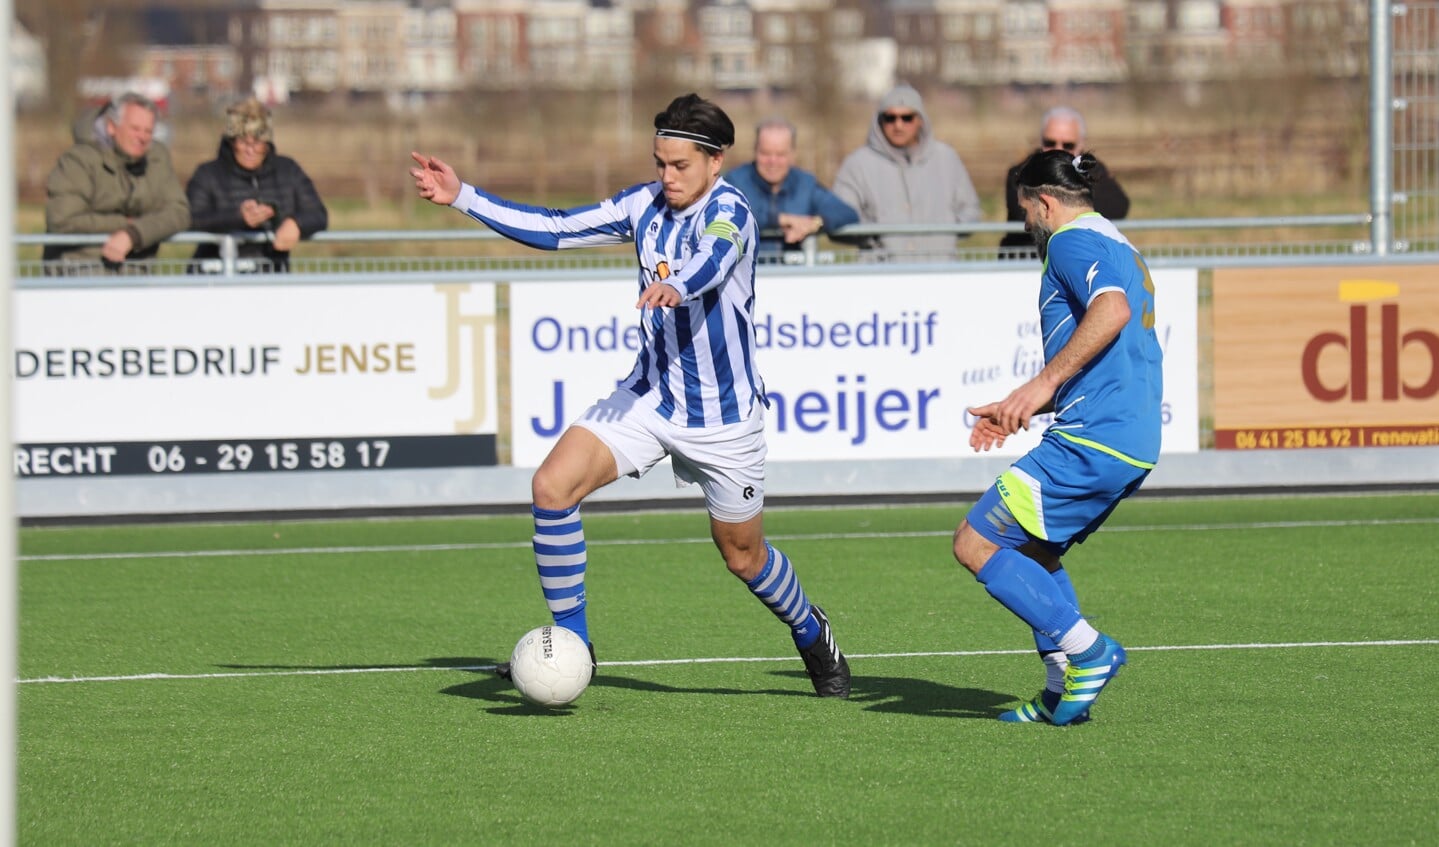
{"x":551,"y":666}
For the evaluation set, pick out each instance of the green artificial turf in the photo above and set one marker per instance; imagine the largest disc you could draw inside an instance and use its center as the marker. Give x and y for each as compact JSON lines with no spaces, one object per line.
{"x":328,"y":682}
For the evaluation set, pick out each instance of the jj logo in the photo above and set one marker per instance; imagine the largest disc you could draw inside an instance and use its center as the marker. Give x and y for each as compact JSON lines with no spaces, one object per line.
{"x":1412,"y":383}
{"x":455,"y":324}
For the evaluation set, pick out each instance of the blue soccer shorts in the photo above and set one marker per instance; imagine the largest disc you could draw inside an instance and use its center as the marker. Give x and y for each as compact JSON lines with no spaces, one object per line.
{"x":1056,"y":494}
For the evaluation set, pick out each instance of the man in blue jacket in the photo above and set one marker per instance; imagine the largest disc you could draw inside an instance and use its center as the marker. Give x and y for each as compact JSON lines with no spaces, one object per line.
{"x":789,"y":204}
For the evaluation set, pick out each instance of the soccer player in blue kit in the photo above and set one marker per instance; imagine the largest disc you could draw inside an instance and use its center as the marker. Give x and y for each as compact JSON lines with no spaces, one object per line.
{"x":1102,"y":379}
{"x":695,"y":393}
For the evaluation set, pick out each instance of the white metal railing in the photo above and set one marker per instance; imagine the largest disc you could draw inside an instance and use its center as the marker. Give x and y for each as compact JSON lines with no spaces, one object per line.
{"x":1353,"y":240}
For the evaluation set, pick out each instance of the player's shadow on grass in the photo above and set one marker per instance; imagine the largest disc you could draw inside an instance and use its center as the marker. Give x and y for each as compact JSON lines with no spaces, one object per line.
{"x":478,"y":664}
{"x":493,"y":689}
{"x":894,"y":695}
{"x":910,"y":696}
{"x":486,"y":686}
{"x":897,"y":695}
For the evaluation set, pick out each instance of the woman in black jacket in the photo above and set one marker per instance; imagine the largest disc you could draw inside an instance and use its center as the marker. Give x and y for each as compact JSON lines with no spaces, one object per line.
{"x":249,"y":188}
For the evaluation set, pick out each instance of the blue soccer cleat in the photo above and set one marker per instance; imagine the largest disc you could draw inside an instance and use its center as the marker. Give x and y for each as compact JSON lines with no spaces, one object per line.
{"x":1083,"y":680}
{"x":1039,"y":710}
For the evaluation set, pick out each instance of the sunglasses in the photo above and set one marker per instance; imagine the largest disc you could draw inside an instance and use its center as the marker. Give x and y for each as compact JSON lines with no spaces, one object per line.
{"x":891,"y":117}
{"x":1067,"y":146}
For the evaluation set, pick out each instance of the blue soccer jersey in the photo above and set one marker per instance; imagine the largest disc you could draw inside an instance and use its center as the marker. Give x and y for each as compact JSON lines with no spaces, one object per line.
{"x":697,"y":363}
{"x":1113,"y":403}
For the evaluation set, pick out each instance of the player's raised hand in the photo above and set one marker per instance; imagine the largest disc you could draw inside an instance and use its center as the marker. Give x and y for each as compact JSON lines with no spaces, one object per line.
{"x":435,"y":180}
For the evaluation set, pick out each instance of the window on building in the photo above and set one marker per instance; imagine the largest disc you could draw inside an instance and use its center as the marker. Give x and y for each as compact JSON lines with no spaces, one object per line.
{"x":805,"y":29}
{"x":847,"y":23}
{"x":1198,"y":15}
{"x":914,"y":60}
{"x":671,"y":28}
{"x":776,"y":28}
{"x":1146,"y":17}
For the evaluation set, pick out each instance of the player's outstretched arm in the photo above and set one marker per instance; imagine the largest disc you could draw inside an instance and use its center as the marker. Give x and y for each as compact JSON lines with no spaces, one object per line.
{"x":435,"y":180}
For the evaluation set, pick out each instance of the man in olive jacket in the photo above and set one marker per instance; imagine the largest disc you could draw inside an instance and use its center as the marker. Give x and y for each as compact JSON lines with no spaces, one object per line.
{"x":116,"y":180}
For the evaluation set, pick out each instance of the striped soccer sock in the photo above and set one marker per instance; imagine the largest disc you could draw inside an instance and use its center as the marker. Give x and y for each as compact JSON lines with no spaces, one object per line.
{"x":777,"y":586}
{"x":561,"y":558}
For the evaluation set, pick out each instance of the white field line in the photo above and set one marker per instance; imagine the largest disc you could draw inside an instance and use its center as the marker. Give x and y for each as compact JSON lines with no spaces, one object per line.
{"x":525,"y":544}
{"x":1293,"y":645}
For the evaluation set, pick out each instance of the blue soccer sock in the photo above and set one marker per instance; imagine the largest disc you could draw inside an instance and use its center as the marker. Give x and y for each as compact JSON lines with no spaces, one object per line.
{"x":561,"y":558}
{"x":777,"y":586}
{"x":1043,"y":643}
{"x":1026,"y":589}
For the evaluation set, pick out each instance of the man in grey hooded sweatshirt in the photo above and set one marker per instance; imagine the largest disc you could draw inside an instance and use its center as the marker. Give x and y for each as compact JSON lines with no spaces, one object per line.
{"x":903,"y":175}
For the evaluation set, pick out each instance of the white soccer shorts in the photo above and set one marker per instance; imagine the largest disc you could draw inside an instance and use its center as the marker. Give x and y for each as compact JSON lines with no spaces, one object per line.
{"x":726,"y":461}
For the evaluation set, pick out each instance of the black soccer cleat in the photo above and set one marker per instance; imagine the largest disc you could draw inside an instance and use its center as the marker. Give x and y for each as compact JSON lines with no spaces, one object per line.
{"x":827,"y":667}
{"x":502,"y":670}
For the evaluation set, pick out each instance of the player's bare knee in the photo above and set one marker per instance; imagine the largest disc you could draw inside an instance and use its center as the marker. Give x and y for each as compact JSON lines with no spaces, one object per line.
{"x":548,"y":492}
{"x":970,"y":549}
{"x":745,"y":561}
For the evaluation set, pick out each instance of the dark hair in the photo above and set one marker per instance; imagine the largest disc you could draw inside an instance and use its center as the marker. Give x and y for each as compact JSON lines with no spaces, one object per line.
{"x":696,"y":119}
{"x":1063,"y":175}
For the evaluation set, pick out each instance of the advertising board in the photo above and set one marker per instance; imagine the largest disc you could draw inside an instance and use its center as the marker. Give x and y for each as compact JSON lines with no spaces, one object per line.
{"x":1326,"y":357}
{"x":880,"y":366}
{"x":244,"y":379}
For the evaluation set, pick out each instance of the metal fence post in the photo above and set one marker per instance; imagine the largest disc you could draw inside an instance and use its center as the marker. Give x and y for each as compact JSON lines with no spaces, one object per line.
{"x":1381,"y":125}
{"x":229,"y":250}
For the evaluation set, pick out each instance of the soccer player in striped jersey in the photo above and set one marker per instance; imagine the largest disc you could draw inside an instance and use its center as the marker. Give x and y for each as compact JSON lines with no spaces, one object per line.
{"x":1103,"y":380}
{"x":694,"y":394}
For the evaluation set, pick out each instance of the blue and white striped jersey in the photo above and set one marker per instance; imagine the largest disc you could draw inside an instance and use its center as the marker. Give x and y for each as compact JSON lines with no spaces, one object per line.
{"x":1113,"y":402}
{"x":697,"y":362}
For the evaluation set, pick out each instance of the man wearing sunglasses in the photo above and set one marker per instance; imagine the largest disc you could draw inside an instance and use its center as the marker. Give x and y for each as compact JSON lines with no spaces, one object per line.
{"x":1061,"y":128}
{"x":903,"y":175}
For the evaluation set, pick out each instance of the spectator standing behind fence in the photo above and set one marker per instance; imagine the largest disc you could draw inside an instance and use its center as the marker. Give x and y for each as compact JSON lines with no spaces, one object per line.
{"x":903,"y":175}
{"x":784,"y":197}
{"x":115,"y":180}
{"x":250,"y":187}
{"x":1061,"y":128}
